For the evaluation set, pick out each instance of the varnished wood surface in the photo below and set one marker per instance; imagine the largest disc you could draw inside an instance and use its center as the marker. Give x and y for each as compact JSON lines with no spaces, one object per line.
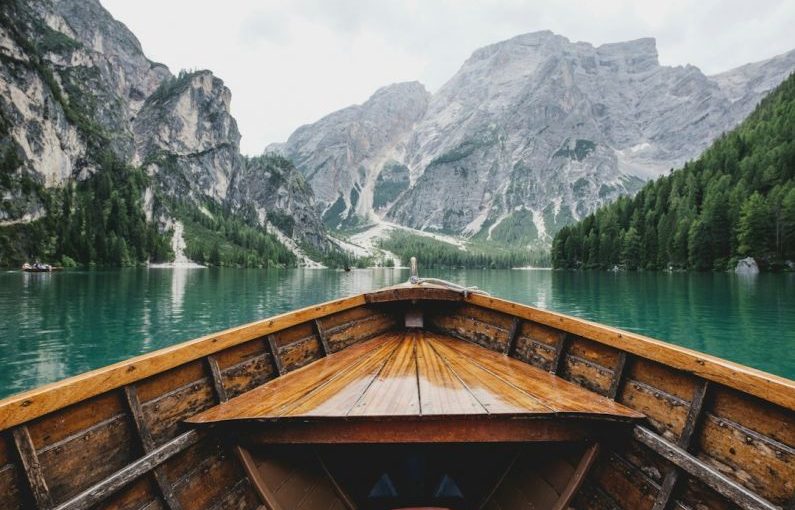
{"x":37,"y":402}
{"x":415,"y":373}
{"x":755,"y":382}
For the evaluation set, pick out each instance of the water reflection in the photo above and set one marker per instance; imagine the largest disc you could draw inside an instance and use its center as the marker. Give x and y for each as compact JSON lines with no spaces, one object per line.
{"x":55,"y":325}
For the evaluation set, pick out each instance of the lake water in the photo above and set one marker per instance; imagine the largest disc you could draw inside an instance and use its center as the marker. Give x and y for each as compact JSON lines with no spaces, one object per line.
{"x":56,"y":325}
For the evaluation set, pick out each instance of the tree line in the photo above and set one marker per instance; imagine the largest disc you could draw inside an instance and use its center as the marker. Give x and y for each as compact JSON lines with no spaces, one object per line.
{"x":439,"y":254}
{"x":736,"y":200}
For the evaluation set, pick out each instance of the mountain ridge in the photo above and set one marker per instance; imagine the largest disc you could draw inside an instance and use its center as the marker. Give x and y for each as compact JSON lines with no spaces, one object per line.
{"x":81,"y":99}
{"x":528,"y":135}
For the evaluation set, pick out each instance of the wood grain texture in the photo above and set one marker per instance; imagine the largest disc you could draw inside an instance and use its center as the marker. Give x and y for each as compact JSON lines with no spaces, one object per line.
{"x":279,"y":395}
{"x":420,"y":374}
{"x":148,"y":444}
{"x":577,"y":478}
{"x":755,"y":382}
{"x":438,"y":429}
{"x":720,"y":483}
{"x":394,"y":391}
{"x":32,"y":467}
{"x":296,"y":479}
{"x":34,"y":403}
{"x":131,"y":472}
{"x":559,"y":395}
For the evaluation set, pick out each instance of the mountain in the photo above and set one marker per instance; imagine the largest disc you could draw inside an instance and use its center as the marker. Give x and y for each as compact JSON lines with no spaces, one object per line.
{"x":529,"y":135}
{"x":88,"y":123}
{"x":337,"y":153}
{"x":736,"y":200}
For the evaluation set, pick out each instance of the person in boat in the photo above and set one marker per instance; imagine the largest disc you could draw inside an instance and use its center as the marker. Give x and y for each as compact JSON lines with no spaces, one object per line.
{"x":26,"y":267}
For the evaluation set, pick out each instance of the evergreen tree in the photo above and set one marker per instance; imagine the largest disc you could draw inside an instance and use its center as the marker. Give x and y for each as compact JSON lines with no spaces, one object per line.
{"x":736,"y":200}
{"x":754,"y":228}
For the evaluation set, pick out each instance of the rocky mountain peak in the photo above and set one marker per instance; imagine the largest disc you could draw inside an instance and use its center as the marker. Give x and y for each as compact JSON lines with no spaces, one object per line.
{"x":638,"y":55}
{"x":335,"y":151}
{"x":77,"y":91}
{"x":528,"y":135}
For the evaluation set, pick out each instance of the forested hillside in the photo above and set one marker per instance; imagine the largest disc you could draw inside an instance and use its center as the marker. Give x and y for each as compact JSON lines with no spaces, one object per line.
{"x":736,"y":200}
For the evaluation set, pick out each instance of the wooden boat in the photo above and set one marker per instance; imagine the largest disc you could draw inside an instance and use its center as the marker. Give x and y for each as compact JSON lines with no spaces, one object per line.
{"x":45,"y":268}
{"x":417,"y":395}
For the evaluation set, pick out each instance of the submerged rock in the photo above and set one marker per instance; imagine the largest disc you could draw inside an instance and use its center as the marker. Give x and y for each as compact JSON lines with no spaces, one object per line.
{"x":746,"y":266}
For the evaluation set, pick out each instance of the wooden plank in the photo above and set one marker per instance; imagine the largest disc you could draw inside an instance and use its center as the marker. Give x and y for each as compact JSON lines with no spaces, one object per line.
{"x":218,"y":380}
{"x":273,"y":348}
{"x":394,"y":391}
{"x":412,"y":293}
{"x":243,"y":456}
{"x":321,"y":335}
{"x":40,"y":401}
{"x":667,"y":490}
{"x":341,"y":494}
{"x":122,"y":478}
{"x":440,"y":389}
{"x":720,"y":483}
{"x":550,"y":391}
{"x":778,"y":390}
{"x":585,"y":373}
{"x":342,"y":392}
{"x":267,"y":497}
{"x":280,"y":394}
{"x":88,"y":457}
{"x":148,"y":444}
{"x":765,"y":466}
{"x":493,"y":393}
{"x":32,"y":468}
{"x":694,"y":414}
{"x":513,"y":334}
{"x":666,"y":413}
{"x":560,"y":354}
{"x":164,"y":416}
{"x":489,"y":495}
{"x":472,"y":329}
{"x":414,"y":429}
{"x":754,"y":414}
{"x":134,"y":404}
{"x":70,"y":421}
{"x":618,"y":376}
{"x":344,"y":335}
{"x":583,"y":467}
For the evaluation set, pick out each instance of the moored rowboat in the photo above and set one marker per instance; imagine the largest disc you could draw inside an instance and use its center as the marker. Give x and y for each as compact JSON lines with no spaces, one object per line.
{"x":414,"y":395}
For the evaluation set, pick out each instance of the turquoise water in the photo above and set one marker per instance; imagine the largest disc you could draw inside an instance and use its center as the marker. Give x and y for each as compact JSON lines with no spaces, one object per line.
{"x":60,"y":324}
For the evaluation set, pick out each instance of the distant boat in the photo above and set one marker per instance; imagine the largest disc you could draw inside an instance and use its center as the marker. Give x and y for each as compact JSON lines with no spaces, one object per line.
{"x":423,"y":394}
{"x":39,"y":268}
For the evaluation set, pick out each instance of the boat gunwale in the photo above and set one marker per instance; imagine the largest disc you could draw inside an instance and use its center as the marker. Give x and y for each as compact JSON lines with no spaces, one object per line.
{"x":764,"y":385}
{"x":31,"y":404}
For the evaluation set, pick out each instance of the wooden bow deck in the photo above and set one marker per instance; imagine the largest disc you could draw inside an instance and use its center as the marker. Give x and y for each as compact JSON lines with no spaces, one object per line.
{"x":416,"y":386}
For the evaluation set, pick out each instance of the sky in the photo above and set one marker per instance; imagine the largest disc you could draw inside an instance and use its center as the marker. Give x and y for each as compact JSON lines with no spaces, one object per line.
{"x":290,"y":62}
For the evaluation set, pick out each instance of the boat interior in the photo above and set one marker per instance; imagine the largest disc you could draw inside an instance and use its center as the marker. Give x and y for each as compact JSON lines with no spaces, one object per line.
{"x":415,"y":396}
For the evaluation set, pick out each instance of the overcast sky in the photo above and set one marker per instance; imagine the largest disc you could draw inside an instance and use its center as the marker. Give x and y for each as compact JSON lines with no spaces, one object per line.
{"x":289,"y":62}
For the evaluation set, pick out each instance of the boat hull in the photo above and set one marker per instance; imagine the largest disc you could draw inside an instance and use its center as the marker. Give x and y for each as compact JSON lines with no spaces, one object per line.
{"x":715,"y":434}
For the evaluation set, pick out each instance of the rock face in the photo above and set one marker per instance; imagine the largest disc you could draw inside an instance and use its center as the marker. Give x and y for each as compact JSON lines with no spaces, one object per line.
{"x":75,"y":84}
{"x":270,"y":188}
{"x":746,"y":266}
{"x":530,"y":134}
{"x":343,"y":154}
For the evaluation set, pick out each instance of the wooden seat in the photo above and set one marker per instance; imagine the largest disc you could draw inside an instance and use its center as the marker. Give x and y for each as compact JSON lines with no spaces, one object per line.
{"x":417,"y":386}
